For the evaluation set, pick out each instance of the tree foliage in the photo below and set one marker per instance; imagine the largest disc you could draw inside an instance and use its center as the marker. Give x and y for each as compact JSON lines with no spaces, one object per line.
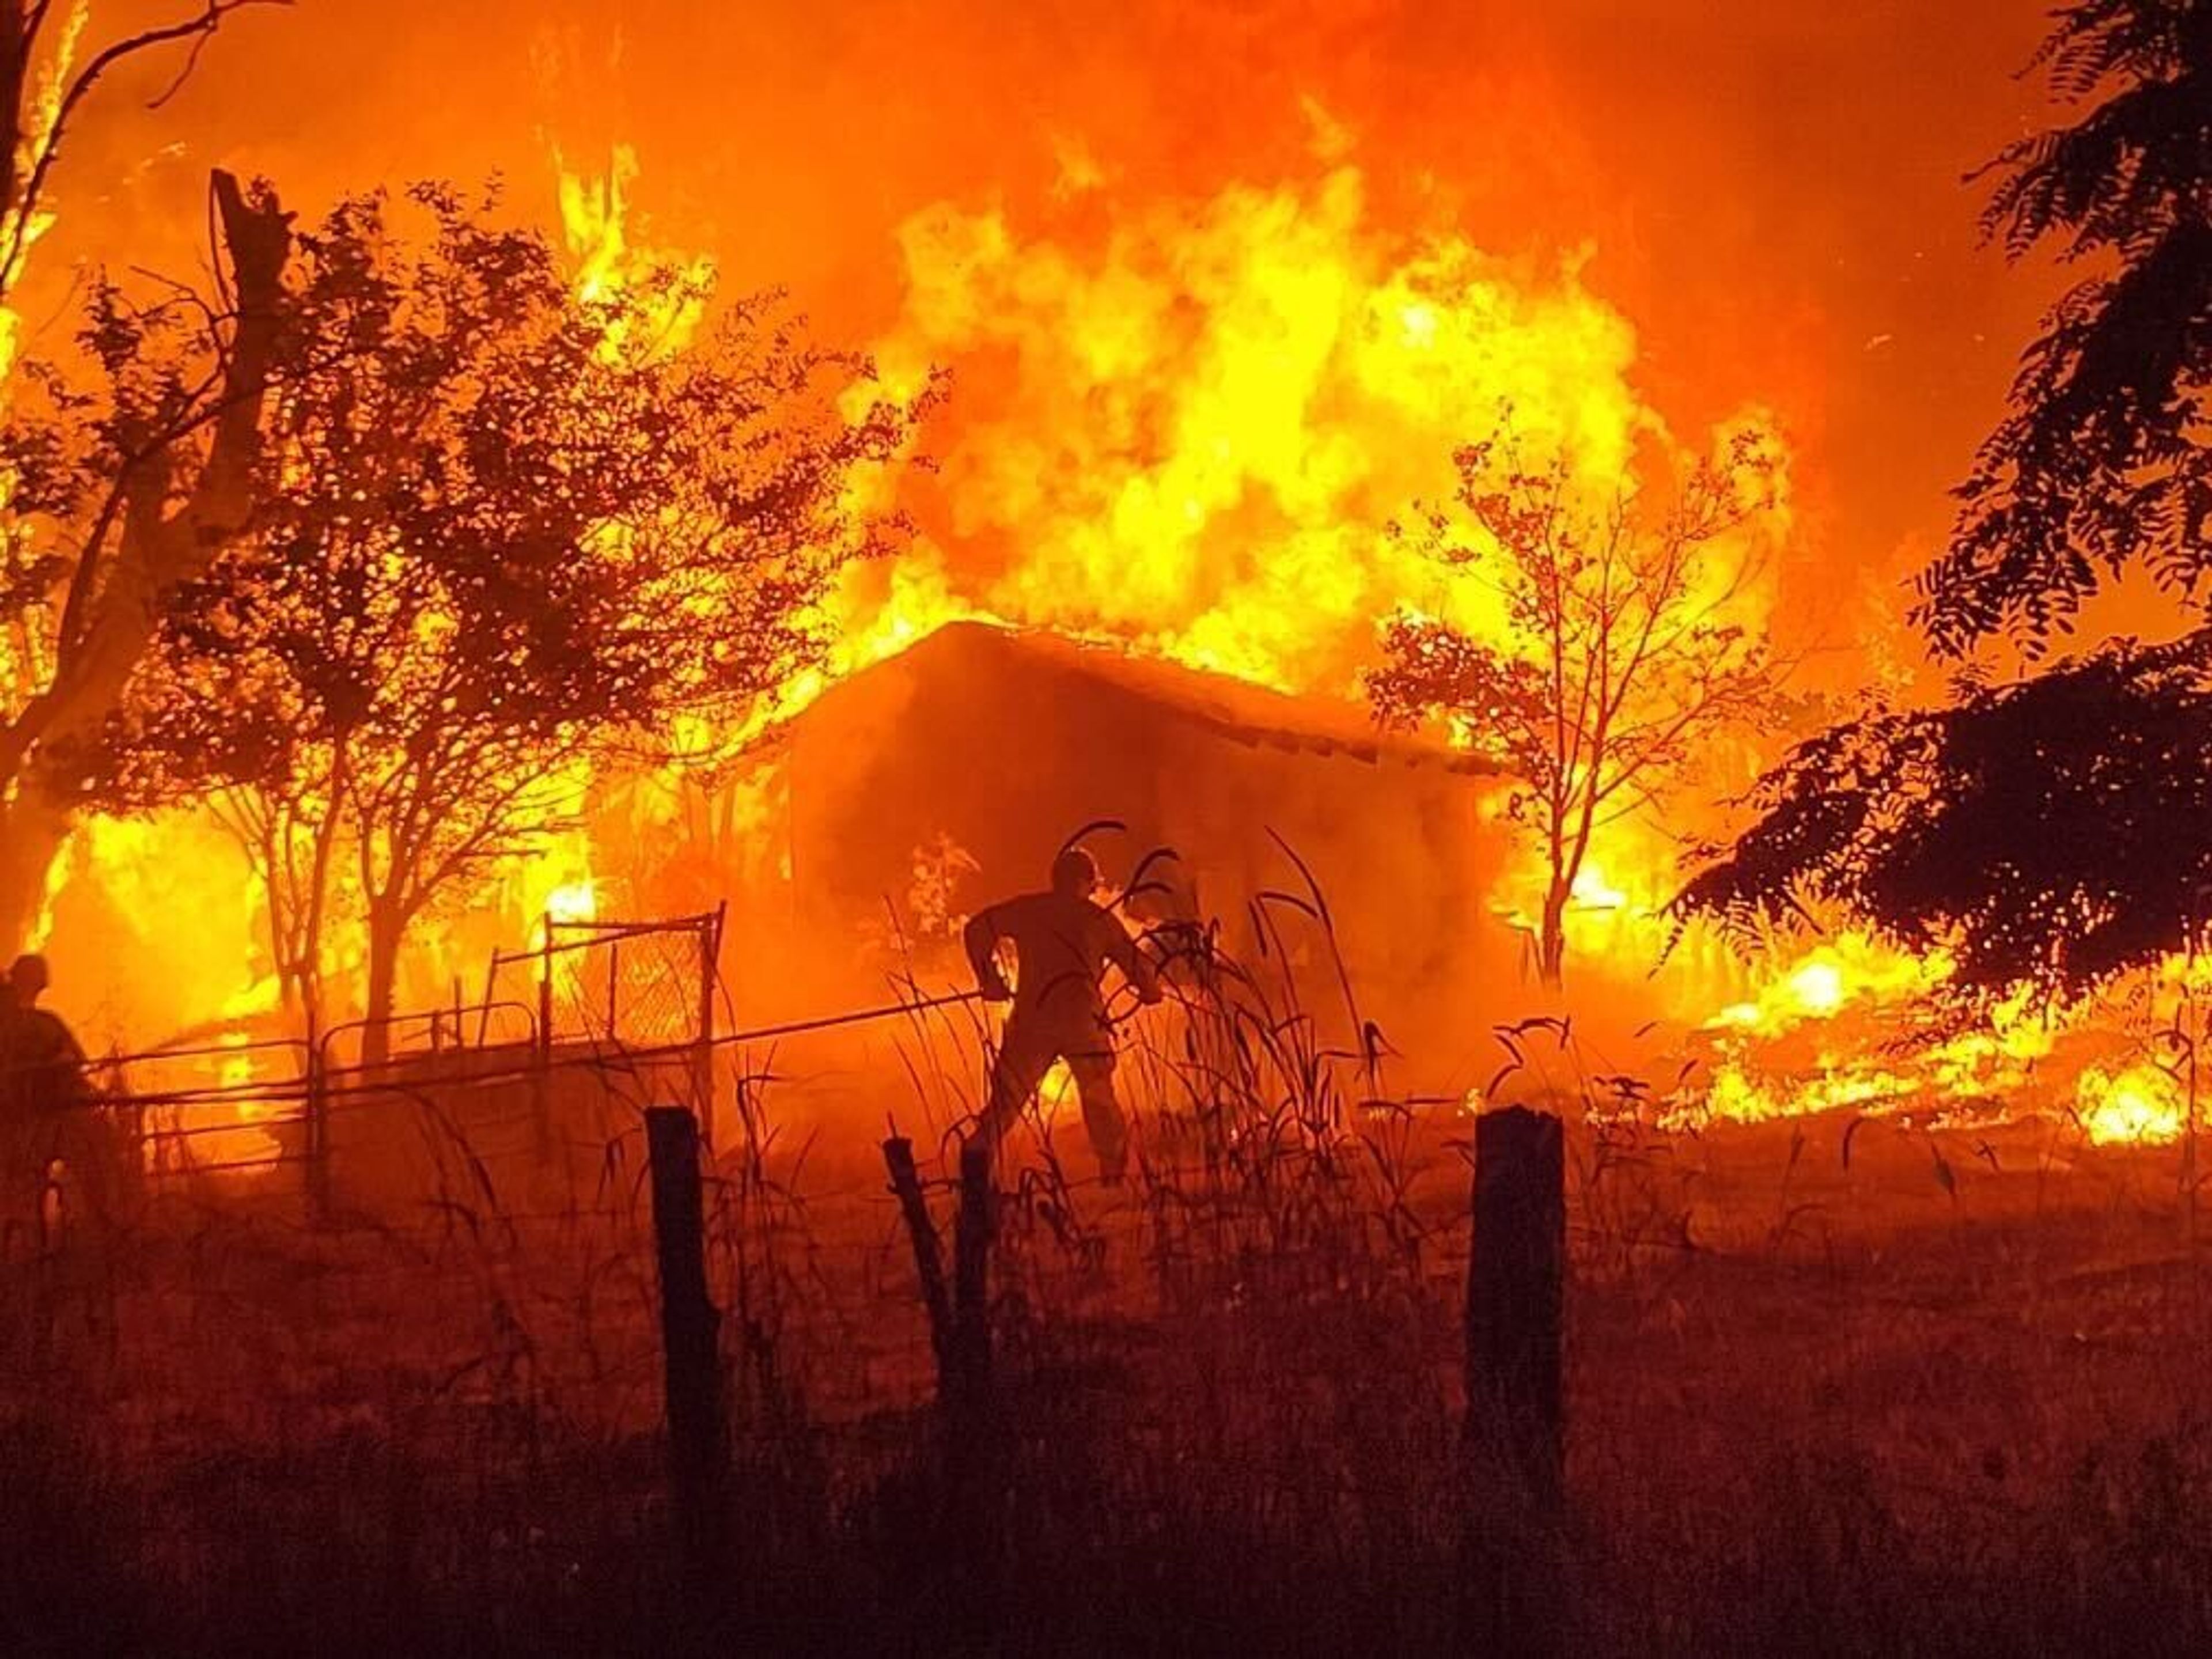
{"x":2051,"y":833}
{"x":75,"y":613}
{"x":2102,"y":457}
{"x":503,"y":531}
{"x":43,"y":87}
{"x":2046,"y":834}
{"x":1621,"y":653}
{"x":117,"y":492}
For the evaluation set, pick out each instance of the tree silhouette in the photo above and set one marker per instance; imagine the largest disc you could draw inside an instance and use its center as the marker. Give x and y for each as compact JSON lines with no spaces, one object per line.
{"x":38,"y":47}
{"x":1621,"y":658}
{"x":92,"y":533}
{"x":2047,"y":833}
{"x":2103,"y":457}
{"x":504,"y":531}
{"x":114,"y":497}
{"x":2051,"y":833}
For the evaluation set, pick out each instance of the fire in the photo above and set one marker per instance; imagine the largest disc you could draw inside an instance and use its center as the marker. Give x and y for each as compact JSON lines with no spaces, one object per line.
{"x":595,"y":224}
{"x":2139,"y":1102}
{"x":1735,"y":1095}
{"x":1183,"y":426}
{"x":1189,"y":438}
{"x":573,"y":902}
{"x":565,"y":891}
{"x":1826,"y":979}
{"x":1182,"y":435}
{"x":22,"y":667}
{"x":42,"y":113}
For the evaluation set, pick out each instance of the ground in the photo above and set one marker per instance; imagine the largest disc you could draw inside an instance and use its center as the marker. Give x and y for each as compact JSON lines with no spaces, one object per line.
{"x":1847,"y":1406}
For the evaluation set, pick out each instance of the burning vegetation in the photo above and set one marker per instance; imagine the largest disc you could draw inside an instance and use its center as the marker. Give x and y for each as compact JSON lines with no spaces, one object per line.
{"x":1425,"y":654}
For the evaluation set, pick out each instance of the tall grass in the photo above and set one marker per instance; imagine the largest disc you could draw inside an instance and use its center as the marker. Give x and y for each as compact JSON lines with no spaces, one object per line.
{"x":1817,"y":1401}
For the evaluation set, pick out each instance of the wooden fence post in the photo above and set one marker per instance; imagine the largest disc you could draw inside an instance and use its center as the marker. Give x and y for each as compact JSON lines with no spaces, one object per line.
{"x":973,"y":1231}
{"x":928,"y":1252}
{"x":974,"y":1471}
{"x":697,"y":1451}
{"x":316,"y":1133}
{"x":703,"y":1055}
{"x":541,"y":1050}
{"x":1516,"y":1421}
{"x":1516,"y":1278}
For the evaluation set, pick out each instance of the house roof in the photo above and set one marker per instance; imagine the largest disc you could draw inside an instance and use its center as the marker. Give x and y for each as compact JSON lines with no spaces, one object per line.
{"x":1234,"y":710}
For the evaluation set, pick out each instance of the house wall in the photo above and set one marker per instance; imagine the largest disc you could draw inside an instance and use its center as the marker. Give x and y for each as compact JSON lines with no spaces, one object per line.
{"x":1009,"y":754}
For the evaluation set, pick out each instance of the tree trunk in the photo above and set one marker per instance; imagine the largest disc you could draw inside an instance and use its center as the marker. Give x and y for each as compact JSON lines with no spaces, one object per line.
{"x":387,"y":927}
{"x":15,"y":53}
{"x":1552,"y":938}
{"x":100,"y":648}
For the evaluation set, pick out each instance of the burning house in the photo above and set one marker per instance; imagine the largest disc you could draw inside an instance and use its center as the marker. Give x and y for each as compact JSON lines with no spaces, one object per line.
{"x":946,"y":776}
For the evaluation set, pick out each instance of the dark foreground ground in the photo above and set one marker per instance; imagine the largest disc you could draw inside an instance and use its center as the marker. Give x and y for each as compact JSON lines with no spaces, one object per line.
{"x":1946,"y":1396}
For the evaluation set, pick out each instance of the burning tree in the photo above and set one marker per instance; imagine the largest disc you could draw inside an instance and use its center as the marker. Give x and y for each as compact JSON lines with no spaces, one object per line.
{"x":505,"y":532}
{"x":117,"y":498}
{"x":2051,"y":833}
{"x":148,"y":485}
{"x":38,"y":99}
{"x":1620,"y":661}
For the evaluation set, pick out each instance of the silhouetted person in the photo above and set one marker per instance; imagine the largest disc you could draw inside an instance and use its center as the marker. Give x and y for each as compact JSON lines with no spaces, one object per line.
{"x":42,"y":1084}
{"x":1063,"y":943}
{"x":39,"y":1040}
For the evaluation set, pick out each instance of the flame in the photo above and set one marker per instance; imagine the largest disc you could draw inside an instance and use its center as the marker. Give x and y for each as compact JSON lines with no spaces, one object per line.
{"x":1190,"y":438}
{"x":42,"y":115}
{"x":1056,"y":1091}
{"x":670,"y":292}
{"x":573,"y":902}
{"x":1181,"y":426}
{"x":2141,"y":1102}
{"x":1830,"y":977}
{"x":1593,"y":891}
{"x":1182,"y":435}
{"x":23,"y":653}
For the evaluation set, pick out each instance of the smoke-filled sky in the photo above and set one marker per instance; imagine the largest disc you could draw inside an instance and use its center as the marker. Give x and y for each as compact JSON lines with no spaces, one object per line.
{"x":1772,"y":193}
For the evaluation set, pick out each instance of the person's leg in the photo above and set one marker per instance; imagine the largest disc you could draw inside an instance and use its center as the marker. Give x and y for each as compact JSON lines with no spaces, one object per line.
{"x":1022,"y":1062}
{"x":1101,"y":1110}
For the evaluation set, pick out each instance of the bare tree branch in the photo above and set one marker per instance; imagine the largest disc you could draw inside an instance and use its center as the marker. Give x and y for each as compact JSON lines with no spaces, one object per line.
{"x":21,"y":200}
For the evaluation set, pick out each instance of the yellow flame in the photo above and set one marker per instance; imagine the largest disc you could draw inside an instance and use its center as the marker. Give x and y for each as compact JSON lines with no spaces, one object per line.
{"x":2141,"y":1102}
{"x":573,"y":902}
{"x":43,"y":115}
{"x":1185,"y":434}
{"x":595,"y":222}
{"x":1192,"y":438}
{"x":1850,"y":969}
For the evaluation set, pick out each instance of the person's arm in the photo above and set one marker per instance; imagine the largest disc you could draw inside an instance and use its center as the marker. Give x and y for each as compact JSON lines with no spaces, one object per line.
{"x":1129,"y":957}
{"x":981,"y":938}
{"x":60,"y":1043}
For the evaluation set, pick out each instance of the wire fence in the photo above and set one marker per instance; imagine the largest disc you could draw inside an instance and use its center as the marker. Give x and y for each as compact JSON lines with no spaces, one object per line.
{"x":484,"y":1190}
{"x":632,"y":984}
{"x":475,"y":1211}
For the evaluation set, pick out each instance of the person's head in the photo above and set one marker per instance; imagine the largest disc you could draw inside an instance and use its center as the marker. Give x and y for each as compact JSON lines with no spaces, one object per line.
{"x":1074,"y":875}
{"x":28,"y":977}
